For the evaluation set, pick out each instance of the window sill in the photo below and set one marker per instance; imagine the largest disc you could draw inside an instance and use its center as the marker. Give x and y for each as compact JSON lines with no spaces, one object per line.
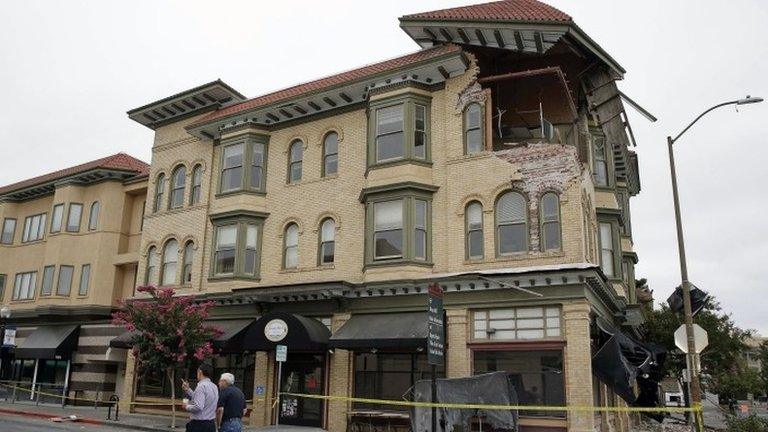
{"x":404,"y":161}
{"x":32,"y":242}
{"x":233,"y":278}
{"x":397,"y":263}
{"x":239,"y":192}
{"x":517,"y":257}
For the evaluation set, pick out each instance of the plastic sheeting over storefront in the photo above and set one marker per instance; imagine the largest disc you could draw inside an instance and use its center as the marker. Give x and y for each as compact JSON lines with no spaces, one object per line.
{"x":487,"y":389}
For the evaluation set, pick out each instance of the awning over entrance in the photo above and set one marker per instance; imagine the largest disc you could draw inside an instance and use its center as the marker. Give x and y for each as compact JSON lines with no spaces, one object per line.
{"x":230,"y":340}
{"x":50,"y":342}
{"x":298,"y":332}
{"x":388,"y":330}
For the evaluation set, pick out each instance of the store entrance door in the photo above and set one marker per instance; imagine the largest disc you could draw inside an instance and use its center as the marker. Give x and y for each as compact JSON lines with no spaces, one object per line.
{"x":303,"y":373}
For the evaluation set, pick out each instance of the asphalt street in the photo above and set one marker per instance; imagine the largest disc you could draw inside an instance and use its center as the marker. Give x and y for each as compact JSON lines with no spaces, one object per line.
{"x":12,"y":423}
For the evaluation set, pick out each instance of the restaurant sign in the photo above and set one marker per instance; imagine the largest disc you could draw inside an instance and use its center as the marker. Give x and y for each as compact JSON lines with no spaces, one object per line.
{"x":436,"y":334}
{"x":9,"y":337}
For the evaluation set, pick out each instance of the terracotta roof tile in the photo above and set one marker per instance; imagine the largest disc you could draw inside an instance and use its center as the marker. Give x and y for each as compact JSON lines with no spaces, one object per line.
{"x":505,"y":10}
{"x":331,"y":81}
{"x":119,"y":161}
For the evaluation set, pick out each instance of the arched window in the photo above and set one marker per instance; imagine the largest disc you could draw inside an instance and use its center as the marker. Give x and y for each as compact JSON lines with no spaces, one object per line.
{"x":291,"y":246}
{"x":474,"y":227}
{"x":473,"y":131}
{"x":178,"y":181}
{"x":511,"y":224}
{"x":93,"y":217}
{"x":550,"y":221}
{"x":189,"y":257}
{"x":327,"y":241}
{"x":170,"y":260}
{"x":330,"y":154}
{"x":295,"y":156}
{"x":197,"y":185}
{"x":159,"y":192}
{"x":149,"y":273}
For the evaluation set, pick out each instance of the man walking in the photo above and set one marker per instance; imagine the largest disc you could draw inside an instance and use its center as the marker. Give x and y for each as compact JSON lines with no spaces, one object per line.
{"x":202,"y":403}
{"x":231,"y":405}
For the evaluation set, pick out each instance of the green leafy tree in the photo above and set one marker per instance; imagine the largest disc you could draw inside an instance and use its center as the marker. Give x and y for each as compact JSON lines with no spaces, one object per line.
{"x":722,"y":358}
{"x":169,"y":332}
{"x":763,"y":358}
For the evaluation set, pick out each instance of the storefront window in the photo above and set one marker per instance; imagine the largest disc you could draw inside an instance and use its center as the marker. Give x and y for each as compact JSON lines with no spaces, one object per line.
{"x":536,"y":375}
{"x":156,"y":384}
{"x":241,"y":365}
{"x":389,"y":376}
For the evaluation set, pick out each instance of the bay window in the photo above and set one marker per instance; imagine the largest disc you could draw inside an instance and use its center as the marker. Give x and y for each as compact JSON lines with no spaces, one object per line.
{"x":608,"y":247}
{"x":244,"y":164}
{"x":399,"y":130}
{"x":237,"y":245}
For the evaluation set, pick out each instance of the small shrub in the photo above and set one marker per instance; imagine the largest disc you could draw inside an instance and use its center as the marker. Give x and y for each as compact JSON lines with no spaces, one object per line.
{"x":752,"y":423}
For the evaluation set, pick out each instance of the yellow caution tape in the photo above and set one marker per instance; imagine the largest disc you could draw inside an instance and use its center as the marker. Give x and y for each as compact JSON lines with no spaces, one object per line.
{"x":695,"y":409}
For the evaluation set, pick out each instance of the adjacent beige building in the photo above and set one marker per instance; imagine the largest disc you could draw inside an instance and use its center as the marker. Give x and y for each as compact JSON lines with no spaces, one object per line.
{"x":68,"y":255}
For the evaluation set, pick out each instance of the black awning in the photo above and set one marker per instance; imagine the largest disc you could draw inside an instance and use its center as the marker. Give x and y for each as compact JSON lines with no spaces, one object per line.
{"x":125,"y":340}
{"x":619,"y":360}
{"x":386,"y":330}
{"x":50,"y":342}
{"x":232,"y":336}
{"x":303,"y":334}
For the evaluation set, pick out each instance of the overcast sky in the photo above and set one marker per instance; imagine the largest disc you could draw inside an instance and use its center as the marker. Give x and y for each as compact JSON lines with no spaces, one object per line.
{"x":70,"y":70}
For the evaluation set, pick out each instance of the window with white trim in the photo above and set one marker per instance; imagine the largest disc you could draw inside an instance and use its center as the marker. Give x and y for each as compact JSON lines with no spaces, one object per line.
{"x":539,"y":322}
{"x":511,"y":224}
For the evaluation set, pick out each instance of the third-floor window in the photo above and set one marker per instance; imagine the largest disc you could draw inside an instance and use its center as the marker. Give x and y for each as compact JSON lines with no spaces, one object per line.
{"x":399,"y":130}
{"x":244,"y":165}
{"x":178,"y":182}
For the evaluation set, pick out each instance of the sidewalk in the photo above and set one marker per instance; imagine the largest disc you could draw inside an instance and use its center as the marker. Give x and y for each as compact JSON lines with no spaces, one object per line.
{"x":97,"y":416}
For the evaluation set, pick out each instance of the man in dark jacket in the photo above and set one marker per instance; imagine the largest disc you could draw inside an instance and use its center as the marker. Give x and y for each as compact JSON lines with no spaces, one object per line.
{"x":232,"y":406}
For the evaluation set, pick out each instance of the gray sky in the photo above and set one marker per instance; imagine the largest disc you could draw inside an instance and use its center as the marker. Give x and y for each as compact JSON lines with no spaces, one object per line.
{"x":72,"y":69}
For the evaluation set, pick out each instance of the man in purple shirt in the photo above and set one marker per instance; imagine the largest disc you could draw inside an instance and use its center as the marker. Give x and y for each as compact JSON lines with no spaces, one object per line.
{"x":202,"y":402}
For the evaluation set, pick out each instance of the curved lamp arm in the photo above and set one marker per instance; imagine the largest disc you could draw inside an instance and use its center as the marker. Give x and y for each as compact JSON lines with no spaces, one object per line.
{"x":746,"y":100}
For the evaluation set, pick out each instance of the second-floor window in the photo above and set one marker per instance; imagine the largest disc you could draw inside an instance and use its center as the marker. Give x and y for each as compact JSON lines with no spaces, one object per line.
{"x":400,"y":229}
{"x":237,"y":248}
{"x":295,"y":159}
{"x":197,"y":185}
{"x":46,"y":288}
{"x":291,"y":246}
{"x":511,"y":224}
{"x":9,"y":231}
{"x":85,"y":280}
{"x":327,"y":241}
{"x":170,"y":261}
{"x":178,"y":182}
{"x":189,"y":257}
{"x":2,"y":287}
{"x":388,"y":229}
{"x":474,"y":227}
{"x":93,"y":217}
{"x":57,"y":218}
{"x":34,"y":228}
{"x":550,"y":221}
{"x":330,"y":154}
{"x":64,"y":284}
{"x":24,"y":286}
{"x":74,"y":217}
{"x":149,"y":273}
{"x":473,"y":131}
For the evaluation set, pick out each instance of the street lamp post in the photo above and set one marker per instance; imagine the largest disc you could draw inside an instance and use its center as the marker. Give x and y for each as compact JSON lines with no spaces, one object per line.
{"x":5,"y":313}
{"x":695,"y":384}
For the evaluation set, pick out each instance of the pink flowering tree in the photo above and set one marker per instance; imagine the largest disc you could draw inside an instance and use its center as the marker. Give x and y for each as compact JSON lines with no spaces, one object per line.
{"x":169,"y":332}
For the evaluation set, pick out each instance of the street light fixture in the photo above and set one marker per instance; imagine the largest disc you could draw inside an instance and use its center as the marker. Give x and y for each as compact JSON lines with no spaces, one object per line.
{"x":695,"y":384}
{"x":5,"y":312}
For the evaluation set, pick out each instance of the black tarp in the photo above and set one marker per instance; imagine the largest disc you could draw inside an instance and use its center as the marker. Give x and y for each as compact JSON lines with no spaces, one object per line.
{"x":619,"y":360}
{"x":387,"y":330}
{"x":304,"y":334}
{"x":699,"y":299}
{"x":50,"y":342}
{"x":487,"y":389}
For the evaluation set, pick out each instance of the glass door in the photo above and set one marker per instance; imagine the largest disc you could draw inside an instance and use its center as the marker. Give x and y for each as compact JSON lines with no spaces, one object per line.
{"x":305,"y":374}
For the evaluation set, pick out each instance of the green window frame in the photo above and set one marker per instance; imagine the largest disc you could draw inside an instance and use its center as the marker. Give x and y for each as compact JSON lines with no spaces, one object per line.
{"x":178,"y":184}
{"x":57,"y":218}
{"x":610,"y":249}
{"x":64,"y":281}
{"x":74,"y":217}
{"x":511,"y":220}
{"x":46,"y":288}
{"x":24,"y":286}
{"x":85,"y":280}
{"x":159,"y":192}
{"x":9,"y":231}
{"x":243,"y":164}
{"x":330,"y":154}
{"x":473,"y":228}
{"x":474,"y":136}
{"x":393,"y":240}
{"x":187,"y":261}
{"x":34,"y":228}
{"x":550,"y":225}
{"x":236,"y":245}
{"x":295,"y":161}
{"x":196,"y":191}
{"x":399,"y":130}
{"x":626,"y":215}
{"x":149,"y":271}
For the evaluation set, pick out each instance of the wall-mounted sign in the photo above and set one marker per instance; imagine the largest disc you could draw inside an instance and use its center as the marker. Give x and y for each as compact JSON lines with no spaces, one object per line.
{"x":276,"y":330}
{"x":436,"y":335}
{"x":9,"y":338}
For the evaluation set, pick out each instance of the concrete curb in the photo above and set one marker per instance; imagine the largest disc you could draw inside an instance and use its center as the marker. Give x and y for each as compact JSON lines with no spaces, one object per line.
{"x":87,"y":420}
